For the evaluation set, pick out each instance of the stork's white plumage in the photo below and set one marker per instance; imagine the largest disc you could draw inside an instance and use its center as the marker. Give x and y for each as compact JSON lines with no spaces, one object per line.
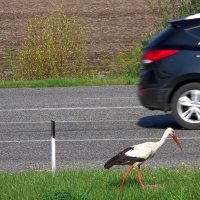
{"x":137,"y":154}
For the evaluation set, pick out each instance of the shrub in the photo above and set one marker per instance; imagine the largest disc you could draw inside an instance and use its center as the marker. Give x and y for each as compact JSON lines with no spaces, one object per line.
{"x":128,"y":64}
{"x":53,"y":47}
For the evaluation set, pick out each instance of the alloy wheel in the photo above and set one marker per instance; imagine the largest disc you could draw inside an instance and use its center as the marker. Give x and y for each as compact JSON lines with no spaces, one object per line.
{"x":188,"y":106}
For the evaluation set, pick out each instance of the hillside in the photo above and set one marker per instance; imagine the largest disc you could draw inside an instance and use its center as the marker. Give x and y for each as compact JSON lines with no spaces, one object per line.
{"x":111,"y":26}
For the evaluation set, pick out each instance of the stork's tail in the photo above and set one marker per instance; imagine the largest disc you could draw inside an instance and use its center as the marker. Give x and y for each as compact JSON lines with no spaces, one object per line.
{"x":120,"y":159}
{"x":111,"y":162}
{"x":108,"y":165}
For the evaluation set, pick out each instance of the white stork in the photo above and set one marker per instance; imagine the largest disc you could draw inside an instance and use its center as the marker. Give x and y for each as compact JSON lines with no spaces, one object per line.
{"x":137,"y":154}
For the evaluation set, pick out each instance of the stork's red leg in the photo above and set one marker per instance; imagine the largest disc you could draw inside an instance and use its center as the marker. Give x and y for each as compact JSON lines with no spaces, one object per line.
{"x":126,"y":174}
{"x":139,"y":177}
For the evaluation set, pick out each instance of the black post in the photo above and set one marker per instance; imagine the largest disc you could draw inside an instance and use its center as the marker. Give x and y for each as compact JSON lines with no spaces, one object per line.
{"x":52,"y":129}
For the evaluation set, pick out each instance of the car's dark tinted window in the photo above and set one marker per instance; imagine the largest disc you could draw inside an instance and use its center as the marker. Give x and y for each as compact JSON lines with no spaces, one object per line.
{"x":195,"y":31}
{"x":176,"y":37}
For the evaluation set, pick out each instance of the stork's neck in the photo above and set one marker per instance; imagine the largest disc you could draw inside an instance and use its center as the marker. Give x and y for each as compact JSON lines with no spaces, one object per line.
{"x":162,"y":140}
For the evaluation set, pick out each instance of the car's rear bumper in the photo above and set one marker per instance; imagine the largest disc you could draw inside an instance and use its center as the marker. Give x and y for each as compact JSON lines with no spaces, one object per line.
{"x":154,"y":98}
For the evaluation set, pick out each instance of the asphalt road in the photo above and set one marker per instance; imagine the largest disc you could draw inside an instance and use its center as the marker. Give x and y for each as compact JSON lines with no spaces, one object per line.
{"x":92,"y":124}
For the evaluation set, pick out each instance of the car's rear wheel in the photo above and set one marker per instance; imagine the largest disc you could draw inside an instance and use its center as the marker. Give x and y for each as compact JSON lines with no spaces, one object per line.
{"x":186,"y":106}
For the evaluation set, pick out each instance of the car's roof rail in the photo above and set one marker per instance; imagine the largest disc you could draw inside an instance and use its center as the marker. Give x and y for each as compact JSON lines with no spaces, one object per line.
{"x":190,"y":21}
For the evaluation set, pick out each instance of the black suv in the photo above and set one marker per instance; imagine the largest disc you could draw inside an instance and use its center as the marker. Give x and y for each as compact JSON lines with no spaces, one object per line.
{"x":170,"y":78}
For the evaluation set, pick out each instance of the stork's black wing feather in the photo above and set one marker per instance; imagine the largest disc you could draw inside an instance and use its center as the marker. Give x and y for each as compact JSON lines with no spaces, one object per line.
{"x":122,"y":159}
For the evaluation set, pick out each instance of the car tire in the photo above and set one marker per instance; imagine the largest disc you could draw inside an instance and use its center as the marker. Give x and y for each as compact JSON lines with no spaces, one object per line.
{"x":185,"y":106}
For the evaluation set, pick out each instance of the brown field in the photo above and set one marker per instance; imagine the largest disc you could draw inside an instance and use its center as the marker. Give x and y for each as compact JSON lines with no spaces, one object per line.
{"x":111,"y":27}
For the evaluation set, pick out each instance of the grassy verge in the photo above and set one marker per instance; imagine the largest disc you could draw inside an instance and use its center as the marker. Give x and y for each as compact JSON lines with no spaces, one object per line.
{"x":66,"y":82}
{"x":90,"y":185}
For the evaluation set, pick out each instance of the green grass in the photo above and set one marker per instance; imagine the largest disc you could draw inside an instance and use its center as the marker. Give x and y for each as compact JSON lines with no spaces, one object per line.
{"x":160,"y":184}
{"x":66,"y":82}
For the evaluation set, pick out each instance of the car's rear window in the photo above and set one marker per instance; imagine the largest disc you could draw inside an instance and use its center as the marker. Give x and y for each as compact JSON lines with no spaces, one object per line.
{"x":195,"y":31}
{"x":177,"y":37}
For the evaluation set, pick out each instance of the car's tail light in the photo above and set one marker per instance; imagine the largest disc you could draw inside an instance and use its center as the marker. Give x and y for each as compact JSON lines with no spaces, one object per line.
{"x":157,"y":55}
{"x":142,"y":91}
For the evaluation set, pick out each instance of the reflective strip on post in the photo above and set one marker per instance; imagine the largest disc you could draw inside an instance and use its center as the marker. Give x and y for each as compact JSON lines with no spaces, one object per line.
{"x":53,"y":147}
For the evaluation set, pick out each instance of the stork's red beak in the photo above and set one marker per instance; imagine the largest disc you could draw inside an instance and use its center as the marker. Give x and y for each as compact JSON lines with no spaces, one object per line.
{"x":175,"y":138}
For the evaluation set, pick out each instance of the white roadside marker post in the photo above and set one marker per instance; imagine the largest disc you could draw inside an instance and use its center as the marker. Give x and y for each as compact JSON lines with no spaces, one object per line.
{"x":53,"y":147}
